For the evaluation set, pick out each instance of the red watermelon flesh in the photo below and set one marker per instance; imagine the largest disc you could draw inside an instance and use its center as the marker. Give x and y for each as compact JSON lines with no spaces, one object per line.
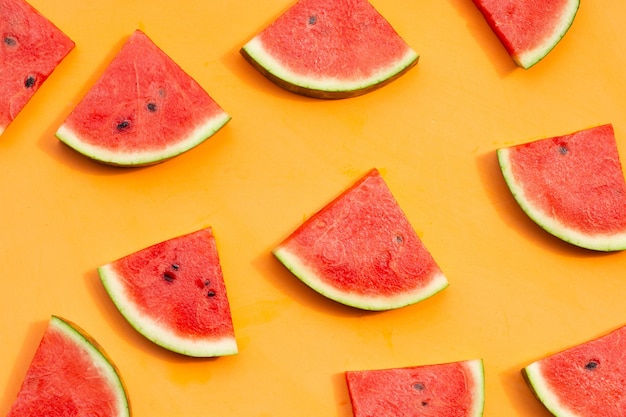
{"x":453,"y":389}
{"x":361,"y":250}
{"x":588,"y":380}
{"x":144,"y":109}
{"x":174,"y":294}
{"x":571,"y":185}
{"x":70,"y":375}
{"x":529,"y":30}
{"x":330,"y":50}
{"x":32,"y":47}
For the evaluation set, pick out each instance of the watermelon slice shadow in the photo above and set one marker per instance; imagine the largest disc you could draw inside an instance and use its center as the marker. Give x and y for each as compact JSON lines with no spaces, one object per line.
{"x":486,"y":40}
{"x":342,"y":396}
{"x":21,"y":363}
{"x":521,"y":399}
{"x":514,"y":217}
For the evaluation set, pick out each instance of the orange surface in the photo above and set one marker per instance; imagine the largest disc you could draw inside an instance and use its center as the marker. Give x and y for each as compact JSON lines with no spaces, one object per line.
{"x":515,"y":294}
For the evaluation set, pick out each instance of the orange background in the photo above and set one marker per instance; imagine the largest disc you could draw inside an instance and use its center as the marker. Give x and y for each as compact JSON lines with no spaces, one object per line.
{"x":515,"y":295}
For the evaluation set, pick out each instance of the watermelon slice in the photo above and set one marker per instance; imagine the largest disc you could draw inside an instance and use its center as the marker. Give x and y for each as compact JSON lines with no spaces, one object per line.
{"x":361,"y":250}
{"x":588,"y":380}
{"x":529,"y":30}
{"x":32,"y":47}
{"x":70,"y":375}
{"x":330,"y":50}
{"x":144,"y":109}
{"x":572,"y":186}
{"x":453,"y":389}
{"x":174,"y":294}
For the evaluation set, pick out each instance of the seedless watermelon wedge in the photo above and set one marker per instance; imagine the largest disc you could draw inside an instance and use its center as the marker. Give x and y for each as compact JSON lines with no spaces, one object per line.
{"x":529,"y":30}
{"x":572,"y":186}
{"x":174,"y":294}
{"x":332,"y":50}
{"x":144,"y":109}
{"x":70,"y":375}
{"x":32,"y":47}
{"x":361,"y":250}
{"x":588,"y":380}
{"x":453,"y":389}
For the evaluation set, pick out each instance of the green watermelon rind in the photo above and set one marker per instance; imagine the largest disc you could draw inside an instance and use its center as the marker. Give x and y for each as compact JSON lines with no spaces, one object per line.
{"x":98,"y":357}
{"x":331,"y":88}
{"x":142,"y":158}
{"x":437,"y":283}
{"x":477,"y":370}
{"x":157,"y":333}
{"x":600,"y":242}
{"x":529,"y":58}
{"x":534,"y":378}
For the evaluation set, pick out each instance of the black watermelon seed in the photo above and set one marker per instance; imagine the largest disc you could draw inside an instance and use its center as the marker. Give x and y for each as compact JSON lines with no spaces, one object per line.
{"x":207,"y":282}
{"x":563,"y":149}
{"x":10,"y":41}
{"x":151,"y":107}
{"x":29,"y":82}
{"x":399,"y":239}
{"x":168,"y":276}
{"x":418,"y":386}
{"x":210,"y":293}
{"x":123,"y":125}
{"x":175,"y":267}
{"x":312,"y":20}
{"x":424,"y":403}
{"x":592,"y":365}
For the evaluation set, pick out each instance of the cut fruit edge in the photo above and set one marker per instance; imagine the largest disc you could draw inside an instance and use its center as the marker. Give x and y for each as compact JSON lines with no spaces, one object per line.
{"x":529,"y":58}
{"x":309,"y":277}
{"x":98,"y":357}
{"x":155,"y":332}
{"x":331,"y":88}
{"x":604,"y":242}
{"x":140,"y":158}
{"x":534,"y":378}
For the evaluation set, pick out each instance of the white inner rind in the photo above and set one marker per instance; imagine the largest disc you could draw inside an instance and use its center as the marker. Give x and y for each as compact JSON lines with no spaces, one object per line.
{"x":156,"y":331}
{"x":529,"y":58}
{"x":99,"y":361}
{"x":308,"y":276}
{"x":477,"y":371}
{"x":600,"y":242}
{"x":545,"y":393}
{"x":137,"y":158}
{"x":259,"y":53}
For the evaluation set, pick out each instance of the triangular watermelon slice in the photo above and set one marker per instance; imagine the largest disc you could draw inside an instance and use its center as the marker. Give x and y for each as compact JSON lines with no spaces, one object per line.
{"x":174,"y":294}
{"x":70,"y":375}
{"x":572,"y":186}
{"x":32,"y":47}
{"x":330,"y":49}
{"x":529,"y":30}
{"x":144,"y":109}
{"x":587,"y":380}
{"x":455,"y":389}
{"x":361,"y":250}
